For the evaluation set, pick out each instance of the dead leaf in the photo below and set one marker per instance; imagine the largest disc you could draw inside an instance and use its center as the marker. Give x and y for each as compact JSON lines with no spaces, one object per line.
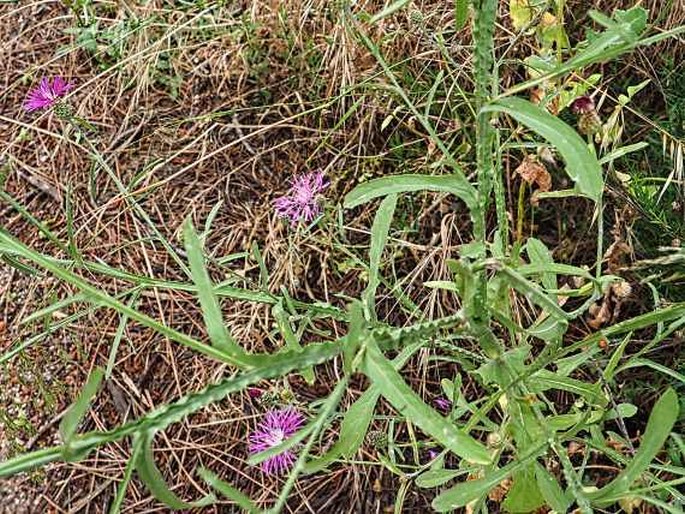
{"x":609,"y":309}
{"x":534,"y":172}
{"x":499,"y":492}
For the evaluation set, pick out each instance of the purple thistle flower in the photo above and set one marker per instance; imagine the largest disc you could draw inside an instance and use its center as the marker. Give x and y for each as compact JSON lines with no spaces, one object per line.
{"x":276,"y":427}
{"x":47,"y":93}
{"x":442,"y":404}
{"x":302,"y":203}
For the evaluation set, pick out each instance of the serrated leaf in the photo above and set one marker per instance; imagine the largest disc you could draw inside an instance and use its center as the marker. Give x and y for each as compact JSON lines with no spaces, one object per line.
{"x":396,"y":184}
{"x":268,"y":366}
{"x":581,"y":165}
{"x":408,"y":403}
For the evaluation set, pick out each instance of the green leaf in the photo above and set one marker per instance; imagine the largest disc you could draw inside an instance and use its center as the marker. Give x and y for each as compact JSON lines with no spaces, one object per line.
{"x":540,"y":255}
{"x":521,"y":13}
{"x":609,"y":371}
{"x":544,"y":380}
{"x":461,"y":13}
{"x":357,"y":420}
{"x":290,"y":338}
{"x":470,"y":490}
{"x":524,"y":495}
{"x":27,"y":461}
{"x":408,"y":183}
{"x":407,"y":402}
{"x":581,"y":164}
{"x":353,"y":429}
{"x":661,"y":421}
{"x":620,"y":37}
{"x":379,"y":237}
{"x":639,"y":362}
{"x":73,"y":416}
{"x":551,"y":490}
{"x":437,"y":477}
{"x":447,"y":285}
{"x":211,"y":312}
{"x":153,"y":479}
{"x":228,"y":491}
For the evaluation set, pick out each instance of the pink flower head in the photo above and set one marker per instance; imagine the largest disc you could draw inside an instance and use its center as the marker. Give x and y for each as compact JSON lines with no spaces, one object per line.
{"x":302,"y":202}
{"x":442,"y":404}
{"x":47,"y":93}
{"x":583,"y":105}
{"x":276,"y":427}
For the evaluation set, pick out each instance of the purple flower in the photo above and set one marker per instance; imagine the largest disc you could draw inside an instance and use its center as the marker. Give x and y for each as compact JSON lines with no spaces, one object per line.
{"x":276,"y":427}
{"x":442,"y":404}
{"x":302,"y":202}
{"x":47,"y":93}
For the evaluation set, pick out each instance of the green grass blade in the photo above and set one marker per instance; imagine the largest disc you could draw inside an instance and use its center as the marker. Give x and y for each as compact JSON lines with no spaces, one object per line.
{"x":389,"y":10}
{"x":100,"y":297}
{"x":211,"y":312}
{"x":581,"y":164}
{"x":73,"y":416}
{"x":408,"y":403}
{"x":229,"y":491}
{"x":408,"y":183}
{"x":379,"y":238}
{"x":150,"y":475}
{"x":291,"y":340}
{"x":118,"y":501}
{"x":112,"y":358}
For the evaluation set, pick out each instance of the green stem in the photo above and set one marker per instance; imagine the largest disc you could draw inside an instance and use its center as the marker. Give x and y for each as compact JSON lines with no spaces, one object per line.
{"x":485,"y":12}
